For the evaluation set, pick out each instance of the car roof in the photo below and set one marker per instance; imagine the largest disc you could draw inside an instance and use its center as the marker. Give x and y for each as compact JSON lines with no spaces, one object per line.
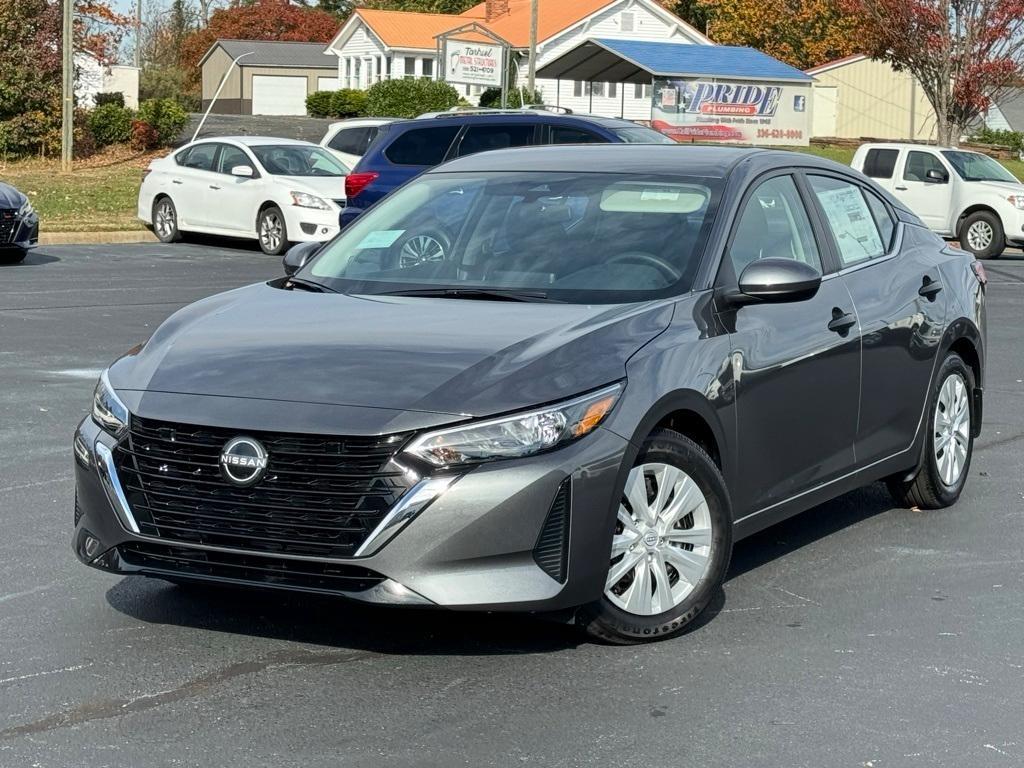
{"x":355,"y":122}
{"x":256,"y":141}
{"x":515,"y":115}
{"x":903,"y":145}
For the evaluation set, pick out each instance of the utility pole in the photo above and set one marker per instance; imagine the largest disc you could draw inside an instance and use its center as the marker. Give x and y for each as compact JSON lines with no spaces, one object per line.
{"x":68,"y":105}
{"x":138,"y":33}
{"x":531,"y":70}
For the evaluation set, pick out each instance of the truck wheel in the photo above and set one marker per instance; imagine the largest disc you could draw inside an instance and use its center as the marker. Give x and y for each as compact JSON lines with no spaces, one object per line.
{"x":982,"y":234}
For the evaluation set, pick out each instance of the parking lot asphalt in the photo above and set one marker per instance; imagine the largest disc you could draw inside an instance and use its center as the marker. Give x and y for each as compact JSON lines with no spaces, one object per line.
{"x":853,"y":635}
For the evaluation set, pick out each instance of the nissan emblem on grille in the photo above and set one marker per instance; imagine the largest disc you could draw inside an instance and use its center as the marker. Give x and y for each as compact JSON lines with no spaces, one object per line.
{"x":243,"y":461}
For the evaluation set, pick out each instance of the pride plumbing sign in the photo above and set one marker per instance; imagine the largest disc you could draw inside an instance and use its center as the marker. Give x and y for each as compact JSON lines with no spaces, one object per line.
{"x":732,"y":111}
{"x":473,"y":63}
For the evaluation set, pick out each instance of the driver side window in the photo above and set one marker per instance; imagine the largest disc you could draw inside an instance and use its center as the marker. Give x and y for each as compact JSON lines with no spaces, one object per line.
{"x":774,"y":224}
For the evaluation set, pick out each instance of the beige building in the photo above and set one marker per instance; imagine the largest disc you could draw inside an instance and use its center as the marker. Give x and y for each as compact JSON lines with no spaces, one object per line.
{"x":270,"y":78}
{"x":859,"y":97}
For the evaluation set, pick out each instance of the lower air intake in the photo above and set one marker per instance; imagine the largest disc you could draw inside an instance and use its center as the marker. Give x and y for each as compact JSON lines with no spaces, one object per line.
{"x":552,"y":549}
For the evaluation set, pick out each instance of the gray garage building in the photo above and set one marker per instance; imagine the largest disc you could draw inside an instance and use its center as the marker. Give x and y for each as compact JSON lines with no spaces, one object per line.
{"x":271,"y":78}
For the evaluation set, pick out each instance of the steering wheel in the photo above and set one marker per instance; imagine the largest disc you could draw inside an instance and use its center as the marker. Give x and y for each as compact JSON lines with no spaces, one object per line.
{"x":643,"y":257}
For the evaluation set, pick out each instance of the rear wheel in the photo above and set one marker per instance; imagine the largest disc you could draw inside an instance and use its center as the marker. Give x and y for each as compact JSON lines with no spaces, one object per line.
{"x":165,"y":221}
{"x":671,"y":545}
{"x":949,"y":446}
{"x":982,"y":234}
{"x":272,"y":231}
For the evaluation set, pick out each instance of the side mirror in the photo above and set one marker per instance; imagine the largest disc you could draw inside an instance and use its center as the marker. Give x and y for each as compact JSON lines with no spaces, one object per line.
{"x":935,"y":176}
{"x":243,"y":171}
{"x":298,"y":256}
{"x":778,"y":280}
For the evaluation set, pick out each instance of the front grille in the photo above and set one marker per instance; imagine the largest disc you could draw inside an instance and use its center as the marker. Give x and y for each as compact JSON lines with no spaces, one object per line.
{"x":551,"y":552}
{"x":320,"y":496}
{"x":266,"y":571}
{"x":8,"y":224}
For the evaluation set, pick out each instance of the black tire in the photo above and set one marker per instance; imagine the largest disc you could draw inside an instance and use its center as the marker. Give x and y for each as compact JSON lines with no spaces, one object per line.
{"x":15,"y":256}
{"x":606,"y":621}
{"x":928,"y":489}
{"x":998,"y":242}
{"x":273,"y":241}
{"x":165,"y":220}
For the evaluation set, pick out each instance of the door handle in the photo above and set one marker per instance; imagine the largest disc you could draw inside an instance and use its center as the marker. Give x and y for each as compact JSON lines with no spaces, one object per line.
{"x":841,"y":321}
{"x":929,"y":288}
{"x":177,"y":181}
{"x":214,"y":186}
{"x":902,"y":189}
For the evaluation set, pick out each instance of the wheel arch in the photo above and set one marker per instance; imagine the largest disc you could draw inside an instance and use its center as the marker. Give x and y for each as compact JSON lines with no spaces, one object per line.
{"x":964,"y":338}
{"x":976,"y":208}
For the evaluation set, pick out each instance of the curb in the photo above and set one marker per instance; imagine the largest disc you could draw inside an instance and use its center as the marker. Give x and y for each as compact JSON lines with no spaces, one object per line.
{"x":96,"y":238}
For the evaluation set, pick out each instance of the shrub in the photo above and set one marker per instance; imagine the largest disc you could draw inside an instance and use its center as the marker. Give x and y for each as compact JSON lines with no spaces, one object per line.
{"x":110,"y":124}
{"x":83,"y":142}
{"x":492,"y":98}
{"x":408,"y":98}
{"x":319,"y":104}
{"x":32,"y":132}
{"x":169,"y":83}
{"x":144,"y":136}
{"x":110,"y":97}
{"x":1012,"y":139}
{"x":166,"y":116}
{"x":348,"y":102}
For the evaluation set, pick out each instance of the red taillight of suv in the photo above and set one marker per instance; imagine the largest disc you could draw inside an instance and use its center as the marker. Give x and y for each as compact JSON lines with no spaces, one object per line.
{"x":357,"y":182}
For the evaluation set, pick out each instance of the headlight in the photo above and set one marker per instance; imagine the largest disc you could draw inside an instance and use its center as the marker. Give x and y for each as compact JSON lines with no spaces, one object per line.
{"x":26,"y":209}
{"x":1017,"y":201}
{"x":304,"y":200}
{"x":521,"y":434}
{"x":107,"y":409}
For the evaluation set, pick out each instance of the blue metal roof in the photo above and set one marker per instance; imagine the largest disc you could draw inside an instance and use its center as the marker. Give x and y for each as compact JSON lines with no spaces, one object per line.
{"x":630,"y":60}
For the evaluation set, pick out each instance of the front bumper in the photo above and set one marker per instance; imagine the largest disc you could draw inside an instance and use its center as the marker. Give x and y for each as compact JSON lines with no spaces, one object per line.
{"x":18,"y":232}
{"x":311,"y":225}
{"x":475,"y":547}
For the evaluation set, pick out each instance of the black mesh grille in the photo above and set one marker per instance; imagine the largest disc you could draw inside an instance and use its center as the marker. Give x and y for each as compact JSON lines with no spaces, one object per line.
{"x":552,"y":549}
{"x":257,"y":569}
{"x":320,"y":496}
{"x":8,"y":224}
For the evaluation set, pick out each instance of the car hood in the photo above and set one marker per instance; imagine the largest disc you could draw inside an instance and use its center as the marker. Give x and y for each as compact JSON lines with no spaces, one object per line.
{"x":10,"y":197}
{"x":1005,"y":187}
{"x":443,"y":356}
{"x":327,"y":187}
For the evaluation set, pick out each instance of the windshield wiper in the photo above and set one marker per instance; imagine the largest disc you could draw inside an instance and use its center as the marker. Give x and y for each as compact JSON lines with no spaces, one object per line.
{"x":485,"y":294}
{"x":309,"y":285}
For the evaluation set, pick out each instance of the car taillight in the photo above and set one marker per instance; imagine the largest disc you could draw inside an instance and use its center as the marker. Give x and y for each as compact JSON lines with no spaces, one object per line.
{"x":979,"y":272}
{"x":357,"y":182}
{"x":146,"y":173}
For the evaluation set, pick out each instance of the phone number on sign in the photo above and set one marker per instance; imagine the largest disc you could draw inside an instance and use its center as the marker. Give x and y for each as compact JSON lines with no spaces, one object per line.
{"x":779,"y":133}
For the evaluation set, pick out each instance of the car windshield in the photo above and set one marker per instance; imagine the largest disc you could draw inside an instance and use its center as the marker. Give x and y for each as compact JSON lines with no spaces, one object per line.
{"x":641,"y":135}
{"x":973,"y":166}
{"x":573,"y":237}
{"x":297,"y":160}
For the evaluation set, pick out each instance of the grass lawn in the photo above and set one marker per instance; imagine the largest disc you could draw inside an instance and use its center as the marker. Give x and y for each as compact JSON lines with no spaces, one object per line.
{"x":99,"y":195}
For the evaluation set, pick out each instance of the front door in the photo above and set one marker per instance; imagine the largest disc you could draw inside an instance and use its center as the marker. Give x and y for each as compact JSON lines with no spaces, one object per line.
{"x":235,"y":198}
{"x":926,"y":197}
{"x":796,"y":365}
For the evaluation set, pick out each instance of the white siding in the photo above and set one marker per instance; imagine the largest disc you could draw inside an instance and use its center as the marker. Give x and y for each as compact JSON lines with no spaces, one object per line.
{"x":364,"y":48}
{"x":994,"y":119}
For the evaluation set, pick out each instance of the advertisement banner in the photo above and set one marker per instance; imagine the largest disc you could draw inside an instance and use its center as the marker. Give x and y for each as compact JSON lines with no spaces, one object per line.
{"x":473,"y":63}
{"x":732,"y":111}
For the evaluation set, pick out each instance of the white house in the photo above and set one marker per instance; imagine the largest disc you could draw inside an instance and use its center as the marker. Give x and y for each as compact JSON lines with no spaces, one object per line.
{"x":93,"y":76}
{"x":375,"y":45}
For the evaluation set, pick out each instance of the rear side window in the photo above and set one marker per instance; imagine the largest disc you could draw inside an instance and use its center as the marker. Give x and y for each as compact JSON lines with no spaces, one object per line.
{"x":883,"y":218}
{"x":353,"y":141}
{"x":482,"y":138}
{"x":851,"y":220}
{"x":422,"y":146}
{"x":880,"y":163}
{"x":199,"y":157}
{"x":563,"y":135}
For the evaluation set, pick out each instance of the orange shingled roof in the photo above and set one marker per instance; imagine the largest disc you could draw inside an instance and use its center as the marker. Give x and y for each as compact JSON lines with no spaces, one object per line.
{"x":409,"y":29}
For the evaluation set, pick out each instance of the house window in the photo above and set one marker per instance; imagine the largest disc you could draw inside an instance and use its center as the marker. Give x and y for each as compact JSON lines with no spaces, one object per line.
{"x":628,"y":20}
{"x":410,"y":68}
{"x":577,"y":88}
{"x":428,"y":67}
{"x":642,"y":91}
{"x":613,"y":89}
{"x":598,"y":89}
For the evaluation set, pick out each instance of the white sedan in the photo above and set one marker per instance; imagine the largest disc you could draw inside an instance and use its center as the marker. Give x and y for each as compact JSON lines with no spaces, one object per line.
{"x":277,"y":191}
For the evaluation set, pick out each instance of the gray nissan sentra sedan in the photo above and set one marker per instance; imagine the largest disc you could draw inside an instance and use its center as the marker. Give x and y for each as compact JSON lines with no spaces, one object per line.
{"x":554,"y":379}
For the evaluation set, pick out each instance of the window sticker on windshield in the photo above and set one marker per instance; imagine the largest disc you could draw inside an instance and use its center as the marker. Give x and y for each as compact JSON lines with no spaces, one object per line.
{"x":659,"y":194}
{"x":382,"y":238}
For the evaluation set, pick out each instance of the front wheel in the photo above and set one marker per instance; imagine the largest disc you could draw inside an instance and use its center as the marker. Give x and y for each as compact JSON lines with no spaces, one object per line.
{"x":982,"y":234}
{"x":671,"y":545}
{"x":272,"y":231}
{"x":949,"y":445}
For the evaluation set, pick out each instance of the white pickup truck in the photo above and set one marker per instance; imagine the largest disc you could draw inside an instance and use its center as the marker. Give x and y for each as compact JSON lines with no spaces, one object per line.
{"x":956,"y":193}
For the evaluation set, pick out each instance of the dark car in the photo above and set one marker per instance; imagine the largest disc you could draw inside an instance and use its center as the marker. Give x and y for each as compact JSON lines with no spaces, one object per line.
{"x":19,"y":225}
{"x":406,"y":148}
{"x":627,"y":359}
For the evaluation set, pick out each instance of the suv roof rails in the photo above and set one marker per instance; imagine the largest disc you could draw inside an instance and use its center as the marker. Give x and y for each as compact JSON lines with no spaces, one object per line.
{"x":548,"y":108}
{"x":470,"y":111}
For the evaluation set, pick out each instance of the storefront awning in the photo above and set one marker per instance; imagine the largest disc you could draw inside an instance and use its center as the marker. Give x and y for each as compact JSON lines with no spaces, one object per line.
{"x":638,"y":61}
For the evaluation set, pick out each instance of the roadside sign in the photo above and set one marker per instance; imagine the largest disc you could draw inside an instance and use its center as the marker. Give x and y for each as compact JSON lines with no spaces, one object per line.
{"x":473,"y":63}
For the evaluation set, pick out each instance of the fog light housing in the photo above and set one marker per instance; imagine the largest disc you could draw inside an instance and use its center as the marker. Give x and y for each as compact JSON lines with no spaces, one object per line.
{"x":82,"y":453}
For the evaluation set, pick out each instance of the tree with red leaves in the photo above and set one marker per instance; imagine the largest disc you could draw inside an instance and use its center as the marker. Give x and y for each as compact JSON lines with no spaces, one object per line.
{"x":963,"y":53}
{"x":257,"y":20}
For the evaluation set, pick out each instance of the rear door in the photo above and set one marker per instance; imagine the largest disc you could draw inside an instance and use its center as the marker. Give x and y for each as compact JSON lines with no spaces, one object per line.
{"x":929,"y":199}
{"x":892,"y":273}
{"x":191,"y":183}
{"x":880,"y":164}
{"x":796,"y":364}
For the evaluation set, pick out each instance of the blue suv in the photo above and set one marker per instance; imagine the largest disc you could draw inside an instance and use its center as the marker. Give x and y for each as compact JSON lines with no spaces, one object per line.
{"x":407,"y":148}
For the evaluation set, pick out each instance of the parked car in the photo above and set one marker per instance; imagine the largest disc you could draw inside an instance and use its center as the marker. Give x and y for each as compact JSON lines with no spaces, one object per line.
{"x":629,"y":358}
{"x":406,"y":148}
{"x":957,"y":193}
{"x":349,"y":139}
{"x":278,"y":191}
{"x":19,"y":225}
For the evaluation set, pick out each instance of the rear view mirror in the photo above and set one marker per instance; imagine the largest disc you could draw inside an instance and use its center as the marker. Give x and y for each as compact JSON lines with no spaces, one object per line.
{"x":243,"y":171}
{"x":778,"y":280}
{"x":935,"y":176}
{"x":298,"y":256}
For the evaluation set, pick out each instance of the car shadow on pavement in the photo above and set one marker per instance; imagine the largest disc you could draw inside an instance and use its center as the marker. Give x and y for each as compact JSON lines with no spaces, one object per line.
{"x":338,"y":623}
{"x":33,"y":259}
